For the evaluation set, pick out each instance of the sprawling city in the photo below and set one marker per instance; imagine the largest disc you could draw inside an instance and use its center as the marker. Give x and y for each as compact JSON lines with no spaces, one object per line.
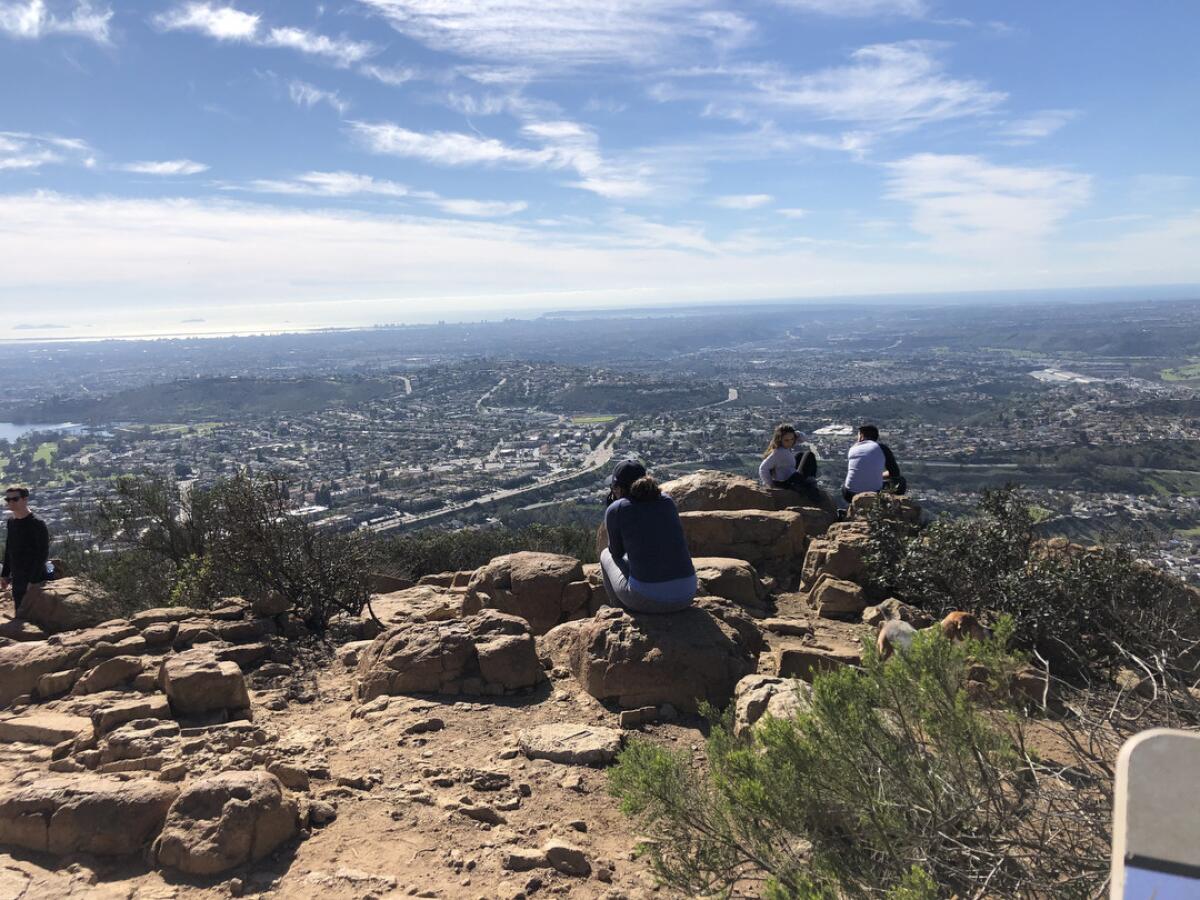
{"x":1094,"y":409}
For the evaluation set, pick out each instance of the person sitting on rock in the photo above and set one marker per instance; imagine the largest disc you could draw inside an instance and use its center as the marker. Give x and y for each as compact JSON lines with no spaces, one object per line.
{"x":784,"y":466}
{"x":646,"y":566}
{"x":871,"y":466}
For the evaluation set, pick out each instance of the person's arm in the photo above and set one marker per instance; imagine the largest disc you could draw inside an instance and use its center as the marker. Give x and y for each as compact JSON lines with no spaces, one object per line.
{"x":764,"y":471}
{"x":889,"y":462}
{"x":41,"y":547}
{"x":616,"y":545}
{"x":6,"y":570}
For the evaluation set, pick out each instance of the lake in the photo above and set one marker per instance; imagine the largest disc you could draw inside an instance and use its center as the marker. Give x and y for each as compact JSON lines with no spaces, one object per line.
{"x":10,"y":431}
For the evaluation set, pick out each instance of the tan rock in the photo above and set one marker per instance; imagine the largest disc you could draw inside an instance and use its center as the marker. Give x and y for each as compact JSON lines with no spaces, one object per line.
{"x":65,"y":604}
{"x":758,"y":696}
{"x":43,"y":728}
{"x":733,"y":579}
{"x":196,"y":682}
{"x":770,"y":541}
{"x":108,"y":674}
{"x":84,"y":814}
{"x":640,"y":660}
{"x":571,"y":744}
{"x":152,"y":707}
{"x":835,"y":598}
{"x":224,"y":821}
{"x":541,"y":588}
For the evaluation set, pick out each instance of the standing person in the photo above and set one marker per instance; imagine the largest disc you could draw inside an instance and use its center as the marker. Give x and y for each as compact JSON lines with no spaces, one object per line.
{"x":26,"y":546}
{"x":784,"y":467}
{"x":646,"y":566}
{"x":865,"y":464}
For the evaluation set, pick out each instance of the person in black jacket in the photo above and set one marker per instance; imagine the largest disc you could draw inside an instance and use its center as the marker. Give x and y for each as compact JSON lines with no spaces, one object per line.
{"x":26,"y":546}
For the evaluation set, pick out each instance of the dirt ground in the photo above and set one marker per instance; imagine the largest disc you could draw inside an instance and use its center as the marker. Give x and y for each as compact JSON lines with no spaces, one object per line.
{"x":394,"y":834}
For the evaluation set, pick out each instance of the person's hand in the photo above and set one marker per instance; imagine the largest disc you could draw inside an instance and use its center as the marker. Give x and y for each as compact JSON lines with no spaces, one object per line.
{"x":4,"y":584}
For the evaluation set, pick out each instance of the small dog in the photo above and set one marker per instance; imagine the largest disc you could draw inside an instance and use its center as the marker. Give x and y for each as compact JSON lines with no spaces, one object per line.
{"x":958,"y":626}
{"x":896,"y":634}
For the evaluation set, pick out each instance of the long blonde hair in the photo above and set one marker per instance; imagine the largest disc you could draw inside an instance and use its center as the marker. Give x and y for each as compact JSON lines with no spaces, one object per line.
{"x":777,"y":438}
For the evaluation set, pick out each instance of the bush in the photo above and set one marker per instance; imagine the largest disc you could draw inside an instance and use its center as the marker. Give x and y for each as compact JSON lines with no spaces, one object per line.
{"x":1085,"y":610}
{"x":159,"y":546}
{"x":431,"y":551}
{"x":893,"y":783}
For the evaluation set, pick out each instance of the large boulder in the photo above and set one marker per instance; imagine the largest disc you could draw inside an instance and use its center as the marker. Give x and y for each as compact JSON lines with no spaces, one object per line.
{"x":65,"y":604}
{"x":733,"y":579}
{"x":836,"y":598}
{"x":197,"y":682}
{"x":84,"y":814}
{"x":544,"y":589}
{"x":423,"y":602}
{"x":757,"y":696}
{"x":709,"y":490}
{"x":638,"y":660}
{"x":21,"y":665}
{"x":224,"y":821}
{"x":771,"y":541}
{"x":841,"y":553}
{"x":488,"y":653}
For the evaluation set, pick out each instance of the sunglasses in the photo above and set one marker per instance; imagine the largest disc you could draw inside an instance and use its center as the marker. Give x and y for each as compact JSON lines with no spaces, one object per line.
{"x":13,"y":499}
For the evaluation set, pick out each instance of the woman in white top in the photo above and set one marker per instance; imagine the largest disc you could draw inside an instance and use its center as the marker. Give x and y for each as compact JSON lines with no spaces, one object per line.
{"x":780,"y":467}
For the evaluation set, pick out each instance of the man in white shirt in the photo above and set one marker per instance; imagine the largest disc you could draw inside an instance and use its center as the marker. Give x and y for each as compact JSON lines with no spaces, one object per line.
{"x":865,"y":464}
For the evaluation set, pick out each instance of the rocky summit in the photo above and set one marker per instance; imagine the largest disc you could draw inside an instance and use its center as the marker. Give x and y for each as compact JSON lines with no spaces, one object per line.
{"x":449,"y":742}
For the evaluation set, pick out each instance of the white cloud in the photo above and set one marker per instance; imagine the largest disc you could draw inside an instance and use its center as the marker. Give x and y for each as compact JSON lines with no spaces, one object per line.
{"x":391,"y":75}
{"x":792,"y":212}
{"x":227,"y":23}
{"x":342,"y":51}
{"x":965,"y":203}
{"x":1037,"y":126}
{"x":446,"y":148}
{"x":254,"y":267}
{"x":20,"y":150}
{"x":166,"y":167}
{"x":224,"y":23}
{"x":35,"y":19}
{"x":308,"y":96}
{"x":860,"y":8}
{"x":560,"y":34}
{"x":885,"y":84}
{"x":480,"y":208}
{"x":743,"y":201}
{"x":331,"y":184}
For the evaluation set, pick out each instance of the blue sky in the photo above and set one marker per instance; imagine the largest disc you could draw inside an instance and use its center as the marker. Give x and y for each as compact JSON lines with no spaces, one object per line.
{"x":196,"y":166}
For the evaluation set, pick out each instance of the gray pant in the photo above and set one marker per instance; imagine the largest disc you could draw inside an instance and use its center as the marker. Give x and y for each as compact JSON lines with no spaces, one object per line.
{"x":616,"y":583}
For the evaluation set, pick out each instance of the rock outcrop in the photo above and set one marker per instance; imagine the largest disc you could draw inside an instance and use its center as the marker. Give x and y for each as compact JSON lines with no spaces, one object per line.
{"x":196,"y":682}
{"x":734,"y":580}
{"x":836,"y":598}
{"x":639,"y":660}
{"x":84,"y":814}
{"x":709,"y":491}
{"x":489,"y":653}
{"x":65,"y":604}
{"x":423,"y":602}
{"x":544,"y":589}
{"x":226,"y":820}
{"x":840,"y":553}
{"x":757,"y":696}
{"x":773,"y":542}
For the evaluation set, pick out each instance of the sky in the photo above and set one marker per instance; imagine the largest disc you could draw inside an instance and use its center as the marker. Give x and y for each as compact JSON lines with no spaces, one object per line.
{"x":201,"y":167}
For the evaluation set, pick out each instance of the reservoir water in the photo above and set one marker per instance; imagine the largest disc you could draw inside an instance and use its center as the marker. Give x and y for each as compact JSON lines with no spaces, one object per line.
{"x":10,"y":431}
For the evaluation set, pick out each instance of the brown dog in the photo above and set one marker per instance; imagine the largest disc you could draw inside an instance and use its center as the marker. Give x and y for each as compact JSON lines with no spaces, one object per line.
{"x":958,"y":626}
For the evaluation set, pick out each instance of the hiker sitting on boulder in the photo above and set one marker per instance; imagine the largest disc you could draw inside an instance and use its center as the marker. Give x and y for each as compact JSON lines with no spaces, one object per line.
{"x":783,"y":466}
{"x":871,"y":467}
{"x":646,"y":565}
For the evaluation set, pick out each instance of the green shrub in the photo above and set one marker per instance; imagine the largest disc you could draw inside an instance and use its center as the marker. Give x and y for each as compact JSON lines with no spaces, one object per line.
{"x":431,"y":551}
{"x":892,"y":782}
{"x":1084,"y":610}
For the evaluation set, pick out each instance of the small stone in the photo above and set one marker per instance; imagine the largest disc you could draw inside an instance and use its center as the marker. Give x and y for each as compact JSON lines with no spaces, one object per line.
{"x":321,"y":812}
{"x":482,"y":813}
{"x":291,"y":775}
{"x":236,"y":887}
{"x":571,"y":743}
{"x":567,"y":859}
{"x":578,"y":825}
{"x":508,"y":753}
{"x":425,"y":726}
{"x":523,"y":860}
{"x":632,"y":718}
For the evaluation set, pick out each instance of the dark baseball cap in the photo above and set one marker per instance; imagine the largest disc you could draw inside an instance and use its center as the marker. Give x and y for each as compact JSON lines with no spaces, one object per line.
{"x":627,"y":472}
